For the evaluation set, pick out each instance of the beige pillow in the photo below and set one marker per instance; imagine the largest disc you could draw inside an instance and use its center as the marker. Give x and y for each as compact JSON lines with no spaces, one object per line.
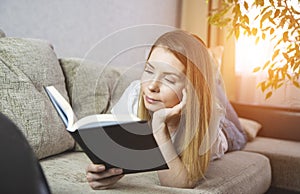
{"x":251,"y":127}
{"x":25,"y":67}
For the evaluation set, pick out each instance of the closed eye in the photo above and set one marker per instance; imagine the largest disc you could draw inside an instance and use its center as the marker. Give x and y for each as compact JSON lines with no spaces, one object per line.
{"x":170,"y":81}
{"x":149,"y":68}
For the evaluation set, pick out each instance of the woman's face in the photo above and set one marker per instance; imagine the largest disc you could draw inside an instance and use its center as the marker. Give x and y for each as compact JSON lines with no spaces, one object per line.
{"x":163,"y":80}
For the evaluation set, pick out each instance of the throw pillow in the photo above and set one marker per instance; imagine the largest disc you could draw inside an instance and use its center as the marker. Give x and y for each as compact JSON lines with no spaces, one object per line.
{"x":251,"y":127}
{"x":26,"y":65}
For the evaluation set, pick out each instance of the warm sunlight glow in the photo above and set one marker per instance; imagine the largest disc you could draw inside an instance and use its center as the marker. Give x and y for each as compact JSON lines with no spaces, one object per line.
{"x":250,"y":55}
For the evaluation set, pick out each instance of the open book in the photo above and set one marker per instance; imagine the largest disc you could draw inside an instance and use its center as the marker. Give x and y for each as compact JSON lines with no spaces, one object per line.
{"x":121,"y":141}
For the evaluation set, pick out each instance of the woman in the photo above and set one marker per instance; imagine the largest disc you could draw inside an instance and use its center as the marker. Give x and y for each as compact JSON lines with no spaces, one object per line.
{"x":177,"y":93}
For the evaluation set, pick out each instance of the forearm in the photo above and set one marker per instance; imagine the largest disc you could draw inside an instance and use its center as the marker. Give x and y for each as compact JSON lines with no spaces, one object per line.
{"x":176,"y":175}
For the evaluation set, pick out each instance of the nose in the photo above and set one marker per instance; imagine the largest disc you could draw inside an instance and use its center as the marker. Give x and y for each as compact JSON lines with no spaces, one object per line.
{"x":154,"y":85}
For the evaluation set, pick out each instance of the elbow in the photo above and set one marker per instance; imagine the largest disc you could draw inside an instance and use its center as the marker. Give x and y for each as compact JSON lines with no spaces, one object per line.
{"x":182,"y":185}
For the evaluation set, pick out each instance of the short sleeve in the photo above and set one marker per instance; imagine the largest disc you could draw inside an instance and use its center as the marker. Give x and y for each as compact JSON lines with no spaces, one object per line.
{"x":128,"y":103}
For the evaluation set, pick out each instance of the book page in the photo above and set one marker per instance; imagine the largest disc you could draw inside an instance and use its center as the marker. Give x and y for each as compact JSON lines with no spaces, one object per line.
{"x":102,"y":120}
{"x":62,"y":106}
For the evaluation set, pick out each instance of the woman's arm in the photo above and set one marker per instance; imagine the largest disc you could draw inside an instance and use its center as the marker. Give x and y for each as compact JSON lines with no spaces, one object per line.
{"x":176,"y":175}
{"x":165,"y":121}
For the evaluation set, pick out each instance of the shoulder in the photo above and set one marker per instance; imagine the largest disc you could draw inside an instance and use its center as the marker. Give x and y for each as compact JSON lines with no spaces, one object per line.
{"x":134,"y":86}
{"x":128,"y":102}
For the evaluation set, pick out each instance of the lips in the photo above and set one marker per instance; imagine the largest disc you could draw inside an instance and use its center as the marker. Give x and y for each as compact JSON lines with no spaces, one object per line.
{"x":151,"y":100}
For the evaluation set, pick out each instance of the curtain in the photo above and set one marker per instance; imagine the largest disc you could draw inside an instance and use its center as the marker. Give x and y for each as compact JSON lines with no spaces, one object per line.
{"x":194,"y":14}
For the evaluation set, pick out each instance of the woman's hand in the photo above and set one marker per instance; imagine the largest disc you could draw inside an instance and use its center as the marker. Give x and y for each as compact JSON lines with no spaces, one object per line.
{"x":99,"y":178}
{"x":166,"y":120}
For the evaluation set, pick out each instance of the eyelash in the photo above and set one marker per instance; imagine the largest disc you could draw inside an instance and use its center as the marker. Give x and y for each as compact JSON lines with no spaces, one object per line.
{"x":170,"y":81}
{"x":148,"y":71}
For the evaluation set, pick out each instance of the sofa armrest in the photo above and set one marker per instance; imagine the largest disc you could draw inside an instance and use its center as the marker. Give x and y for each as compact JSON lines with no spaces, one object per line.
{"x":280,"y":123}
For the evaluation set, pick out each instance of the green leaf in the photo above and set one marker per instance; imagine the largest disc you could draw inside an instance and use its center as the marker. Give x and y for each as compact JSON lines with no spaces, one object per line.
{"x":296,"y":84}
{"x":266,"y":29}
{"x":256,"y":69}
{"x":286,"y":56}
{"x":270,"y":73}
{"x":265,"y":9}
{"x":246,"y":19}
{"x":257,"y":2}
{"x":254,"y":31}
{"x":263,"y":86}
{"x":257,"y":40}
{"x":275,"y":54}
{"x":285,"y":36}
{"x":283,"y":13}
{"x":276,"y":14}
{"x":246,"y":5}
{"x":266,"y":65}
{"x":268,"y":95}
{"x":237,"y":32}
{"x":296,"y":66}
{"x":264,"y":17}
{"x":278,"y":85}
{"x":272,"y":21}
{"x":279,"y":41}
{"x":282,"y":22}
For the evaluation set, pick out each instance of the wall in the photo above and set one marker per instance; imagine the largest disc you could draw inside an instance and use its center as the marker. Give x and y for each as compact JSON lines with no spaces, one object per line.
{"x":74,"y":26}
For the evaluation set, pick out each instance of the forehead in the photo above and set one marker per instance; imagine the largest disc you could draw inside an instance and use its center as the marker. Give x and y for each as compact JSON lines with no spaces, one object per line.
{"x":163,"y":58}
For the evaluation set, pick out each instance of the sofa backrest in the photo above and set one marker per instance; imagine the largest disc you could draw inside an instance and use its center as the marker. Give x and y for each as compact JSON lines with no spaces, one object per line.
{"x":281,"y":123}
{"x":26,"y":66}
{"x":93,"y":87}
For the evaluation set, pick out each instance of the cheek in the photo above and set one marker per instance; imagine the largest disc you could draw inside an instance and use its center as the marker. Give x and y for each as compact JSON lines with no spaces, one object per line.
{"x":171,"y":97}
{"x":144,"y":85}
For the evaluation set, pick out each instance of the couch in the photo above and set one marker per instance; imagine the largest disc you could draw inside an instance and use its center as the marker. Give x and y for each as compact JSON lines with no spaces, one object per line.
{"x":27,"y":65}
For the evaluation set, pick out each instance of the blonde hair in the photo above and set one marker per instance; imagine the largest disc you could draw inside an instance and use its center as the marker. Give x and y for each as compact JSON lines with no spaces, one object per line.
{"x":193,"y":54}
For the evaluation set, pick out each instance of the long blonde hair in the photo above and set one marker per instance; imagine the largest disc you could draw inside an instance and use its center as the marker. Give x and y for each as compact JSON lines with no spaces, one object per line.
{"x":193,"y":54}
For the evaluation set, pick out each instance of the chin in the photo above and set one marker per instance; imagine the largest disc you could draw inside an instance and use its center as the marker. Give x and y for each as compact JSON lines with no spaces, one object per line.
{"x":152,"y":108}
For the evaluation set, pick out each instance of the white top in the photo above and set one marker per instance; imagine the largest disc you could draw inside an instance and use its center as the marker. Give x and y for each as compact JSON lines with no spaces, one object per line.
{"x":128,"y":104}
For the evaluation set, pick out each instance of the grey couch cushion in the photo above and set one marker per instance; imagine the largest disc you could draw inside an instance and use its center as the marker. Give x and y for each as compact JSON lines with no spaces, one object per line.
{"x":25,"y":67}
{"x":93,"y":87}
{"x":236,"y":172}
{"x":284,"y":157}
{"x":89,"y":85}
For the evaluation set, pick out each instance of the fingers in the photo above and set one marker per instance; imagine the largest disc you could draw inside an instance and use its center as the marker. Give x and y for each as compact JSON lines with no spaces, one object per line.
{"x":99,"y":178}
{"x":93,"y":176}
{"x":176,"y":110}
{"x":95,"y":168}
{"x":105,"y":183}
{"x":184,"y":97}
